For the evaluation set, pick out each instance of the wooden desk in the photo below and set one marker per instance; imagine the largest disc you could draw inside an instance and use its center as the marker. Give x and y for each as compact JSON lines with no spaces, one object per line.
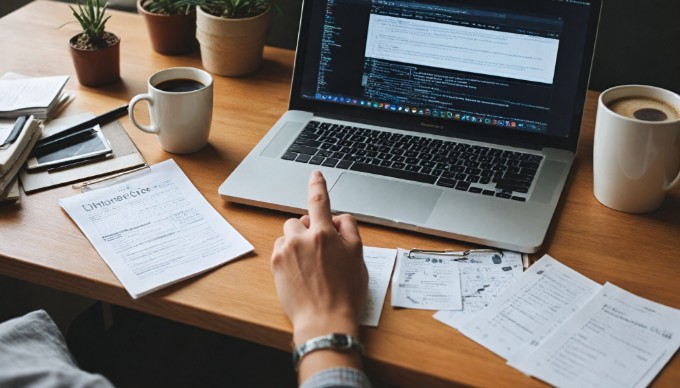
{"x":40,"y":244}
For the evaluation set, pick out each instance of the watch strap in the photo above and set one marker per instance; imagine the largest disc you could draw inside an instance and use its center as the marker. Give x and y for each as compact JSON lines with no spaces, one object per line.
{"x":334,"y":341}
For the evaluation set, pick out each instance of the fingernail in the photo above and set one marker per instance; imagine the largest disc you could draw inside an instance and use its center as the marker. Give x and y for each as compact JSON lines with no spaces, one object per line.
{"x":317,"y":174}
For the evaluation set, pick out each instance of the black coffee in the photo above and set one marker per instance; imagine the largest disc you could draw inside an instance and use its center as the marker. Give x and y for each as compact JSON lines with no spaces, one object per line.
{"x":644,"y":108}
{"x":179,"y":85}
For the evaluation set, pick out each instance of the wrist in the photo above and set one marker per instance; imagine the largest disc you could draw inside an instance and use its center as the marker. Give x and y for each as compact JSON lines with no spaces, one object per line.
{"x":334,"y":342}
{"x":314,"y":327}
{"x":331,"y":350}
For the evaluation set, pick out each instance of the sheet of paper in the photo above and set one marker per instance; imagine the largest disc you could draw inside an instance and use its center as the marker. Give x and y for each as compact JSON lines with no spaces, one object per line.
{"x":379,"y":262}
{"x":28,"y":93}
{"x":617,"y":340}
{"x":426,"y":283}
{"x":155,"y":230}
{"x":530,"y":309}
{"x":483,"y":276}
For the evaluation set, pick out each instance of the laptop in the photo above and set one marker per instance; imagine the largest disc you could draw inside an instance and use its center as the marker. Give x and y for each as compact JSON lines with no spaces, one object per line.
{"x":457,"y":119}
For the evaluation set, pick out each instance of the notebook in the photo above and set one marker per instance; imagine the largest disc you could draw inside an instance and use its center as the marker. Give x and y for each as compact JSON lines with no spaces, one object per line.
{"x":456,"y":119}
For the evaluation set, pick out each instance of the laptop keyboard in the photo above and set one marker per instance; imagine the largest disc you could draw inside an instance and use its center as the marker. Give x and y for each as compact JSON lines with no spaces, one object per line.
{"x":460,"y":166}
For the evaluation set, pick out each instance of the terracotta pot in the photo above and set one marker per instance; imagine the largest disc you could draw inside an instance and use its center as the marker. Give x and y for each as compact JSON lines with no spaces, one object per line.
{"x":96,"y":68}
{"x":231,"y":47}
{"x":170,"y":34}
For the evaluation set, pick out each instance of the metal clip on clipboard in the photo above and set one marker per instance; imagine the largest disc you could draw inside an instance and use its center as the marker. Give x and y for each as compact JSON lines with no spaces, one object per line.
{"x":460,"y":255}
{"x":122,"y":176}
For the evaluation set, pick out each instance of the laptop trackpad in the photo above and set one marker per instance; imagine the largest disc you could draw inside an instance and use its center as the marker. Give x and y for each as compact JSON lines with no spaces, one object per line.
{"x":383,"y":198}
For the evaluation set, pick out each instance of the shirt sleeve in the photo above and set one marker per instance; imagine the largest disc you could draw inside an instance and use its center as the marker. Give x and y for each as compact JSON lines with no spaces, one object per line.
{"x":33,"y":353}
{"x":342,"y":377}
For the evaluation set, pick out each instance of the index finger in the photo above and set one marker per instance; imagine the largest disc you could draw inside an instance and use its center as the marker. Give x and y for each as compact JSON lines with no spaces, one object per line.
{"x":318,"y":203}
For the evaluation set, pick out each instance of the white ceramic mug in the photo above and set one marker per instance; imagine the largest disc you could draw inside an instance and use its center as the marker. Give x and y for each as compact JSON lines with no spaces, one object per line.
{"x":180,"y":116}
{"x":635,"y":160}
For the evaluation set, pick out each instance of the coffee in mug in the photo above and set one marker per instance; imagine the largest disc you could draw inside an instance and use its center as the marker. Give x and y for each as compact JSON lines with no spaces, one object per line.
{"x":636,"y":153}
{"x":180,"y":107}
{"x":178,"y":85}
{"x":644,"y":108}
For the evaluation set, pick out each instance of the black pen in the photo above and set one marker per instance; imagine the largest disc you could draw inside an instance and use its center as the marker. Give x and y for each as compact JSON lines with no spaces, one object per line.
{"x":78,"y":163}
{"x":64,"y":141}
{"x":99,"y":120}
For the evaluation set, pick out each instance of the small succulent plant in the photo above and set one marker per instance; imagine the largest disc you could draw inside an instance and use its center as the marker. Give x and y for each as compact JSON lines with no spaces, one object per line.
{"x":92,"y":18}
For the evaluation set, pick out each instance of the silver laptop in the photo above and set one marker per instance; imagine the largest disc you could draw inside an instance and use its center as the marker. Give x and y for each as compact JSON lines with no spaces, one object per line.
{"x":456,"y":119}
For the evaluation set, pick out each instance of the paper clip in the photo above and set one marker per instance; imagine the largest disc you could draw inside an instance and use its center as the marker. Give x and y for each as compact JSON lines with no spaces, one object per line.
{"x":450,"y":252}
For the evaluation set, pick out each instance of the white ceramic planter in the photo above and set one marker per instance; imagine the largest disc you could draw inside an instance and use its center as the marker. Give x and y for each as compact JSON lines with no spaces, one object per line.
{"x":231,"y":47}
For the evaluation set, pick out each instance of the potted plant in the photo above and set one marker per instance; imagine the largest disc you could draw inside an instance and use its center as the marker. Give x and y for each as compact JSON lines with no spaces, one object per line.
{"x":231,"y":34}
{"x":95,"y":52}
{"x":171,"y":25}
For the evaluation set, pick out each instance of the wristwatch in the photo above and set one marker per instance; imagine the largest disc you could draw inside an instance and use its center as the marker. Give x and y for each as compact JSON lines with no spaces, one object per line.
{"x":334,"y":341}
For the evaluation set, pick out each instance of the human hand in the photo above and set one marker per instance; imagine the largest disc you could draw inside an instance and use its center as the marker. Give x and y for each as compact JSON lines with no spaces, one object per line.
{"x":319,"y":269}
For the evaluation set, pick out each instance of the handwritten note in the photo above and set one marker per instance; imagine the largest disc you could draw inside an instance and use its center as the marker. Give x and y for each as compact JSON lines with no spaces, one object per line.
{"x":427,"y":283}
{"x":617,"y":340}
{"x":483,"y":276}
{"x":379,"y":262}
{"x":531,"y":308}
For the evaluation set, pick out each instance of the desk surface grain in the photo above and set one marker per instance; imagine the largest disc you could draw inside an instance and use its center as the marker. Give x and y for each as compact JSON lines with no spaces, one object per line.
{"x":39,"y":243}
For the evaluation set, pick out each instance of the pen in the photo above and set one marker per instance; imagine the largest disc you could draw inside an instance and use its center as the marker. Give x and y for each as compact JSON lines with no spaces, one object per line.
{"x":64,"y":141}
{"x":79,"y":162}
{"x":16,"y":131}
{"x":99,"y":120}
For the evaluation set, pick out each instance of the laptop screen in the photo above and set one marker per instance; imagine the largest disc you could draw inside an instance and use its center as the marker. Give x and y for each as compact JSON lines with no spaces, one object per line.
{"x":515,"y":70}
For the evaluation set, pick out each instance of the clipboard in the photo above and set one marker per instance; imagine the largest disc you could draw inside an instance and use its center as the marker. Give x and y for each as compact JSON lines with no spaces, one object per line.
{"x":125,"y":156}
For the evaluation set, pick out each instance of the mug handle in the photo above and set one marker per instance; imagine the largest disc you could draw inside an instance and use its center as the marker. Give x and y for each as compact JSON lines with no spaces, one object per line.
{"x":150,"y":128}
{"x":674,"y":184}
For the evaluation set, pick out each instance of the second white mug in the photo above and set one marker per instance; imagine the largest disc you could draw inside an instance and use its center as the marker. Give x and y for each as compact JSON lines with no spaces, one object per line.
{"x":636,"y":154}
{"x":180,"y":107}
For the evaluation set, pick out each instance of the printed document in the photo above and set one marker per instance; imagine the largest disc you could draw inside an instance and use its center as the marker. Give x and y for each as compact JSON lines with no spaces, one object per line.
{"x":427,"y":283}
{"x":379,"y":262}
{"x":155,"y":230}
{"x":617,"y":340}
{"x":483,"y":277}
{"x":530,"y":309}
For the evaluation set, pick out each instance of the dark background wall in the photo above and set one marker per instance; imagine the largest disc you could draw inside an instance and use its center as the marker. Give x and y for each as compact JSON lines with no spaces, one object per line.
{"x":638,"y":40}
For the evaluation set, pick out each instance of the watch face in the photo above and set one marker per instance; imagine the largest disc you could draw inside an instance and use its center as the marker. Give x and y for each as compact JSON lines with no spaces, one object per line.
{"x":340,"y":340}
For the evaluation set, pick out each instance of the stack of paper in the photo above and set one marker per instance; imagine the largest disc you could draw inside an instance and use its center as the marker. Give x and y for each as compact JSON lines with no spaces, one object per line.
{"x":17,"y":138}
{"x":563,"y":328}
{"x":41,"y":97}
{"x":549,"y":322}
